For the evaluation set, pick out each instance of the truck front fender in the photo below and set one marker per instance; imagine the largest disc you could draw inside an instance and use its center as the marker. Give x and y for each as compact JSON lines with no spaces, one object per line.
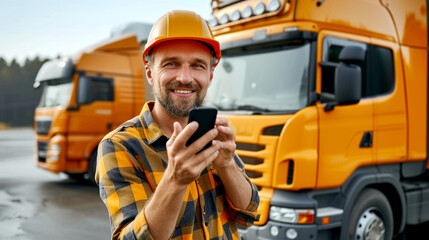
{"x":387,"y":183}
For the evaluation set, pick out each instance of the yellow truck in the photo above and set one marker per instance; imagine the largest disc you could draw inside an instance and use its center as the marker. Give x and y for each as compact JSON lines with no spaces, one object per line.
{"x":329,"y":103}
{"x":86,"y":96}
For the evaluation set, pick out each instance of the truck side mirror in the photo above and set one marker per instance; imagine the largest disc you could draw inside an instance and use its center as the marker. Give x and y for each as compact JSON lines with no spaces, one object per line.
{"x":83,"y":96}
{"x":348,"y":77}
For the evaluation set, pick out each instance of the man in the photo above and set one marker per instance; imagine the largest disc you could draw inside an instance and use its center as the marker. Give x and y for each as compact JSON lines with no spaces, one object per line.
{"x":154,"y":186}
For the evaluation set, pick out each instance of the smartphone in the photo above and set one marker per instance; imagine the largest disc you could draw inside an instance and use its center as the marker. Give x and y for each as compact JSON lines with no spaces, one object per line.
{"x":206,"y":118}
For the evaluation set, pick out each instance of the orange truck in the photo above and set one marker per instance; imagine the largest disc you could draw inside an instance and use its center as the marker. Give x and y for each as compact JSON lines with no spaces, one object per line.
{"x":85,"y":97}
{"x":329,"y":103}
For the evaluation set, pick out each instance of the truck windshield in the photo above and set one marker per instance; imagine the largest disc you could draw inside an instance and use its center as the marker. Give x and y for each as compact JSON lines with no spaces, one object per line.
{"x":262,"y":80}
{"x":56,"y":92}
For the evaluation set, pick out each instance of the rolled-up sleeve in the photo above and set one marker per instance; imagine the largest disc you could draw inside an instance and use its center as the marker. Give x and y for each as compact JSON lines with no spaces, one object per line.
{"x":248,"y":216}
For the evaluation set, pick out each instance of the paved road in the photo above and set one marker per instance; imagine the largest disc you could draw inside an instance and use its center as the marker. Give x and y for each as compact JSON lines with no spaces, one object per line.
{"x":36,"y":204}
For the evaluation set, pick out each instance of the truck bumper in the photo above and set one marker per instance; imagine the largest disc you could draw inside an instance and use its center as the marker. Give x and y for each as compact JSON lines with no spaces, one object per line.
{"x":326,"y":225}
{"x":283,"y":230}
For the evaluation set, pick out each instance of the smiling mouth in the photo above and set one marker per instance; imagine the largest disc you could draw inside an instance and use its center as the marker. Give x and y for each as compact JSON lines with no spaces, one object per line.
{"x":182,"y":91}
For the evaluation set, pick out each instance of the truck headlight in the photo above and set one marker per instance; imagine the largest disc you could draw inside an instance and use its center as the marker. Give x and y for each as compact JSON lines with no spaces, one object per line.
{"x":54,"y":152}
{"x":289,"y":215}
{"x":55,"y":148}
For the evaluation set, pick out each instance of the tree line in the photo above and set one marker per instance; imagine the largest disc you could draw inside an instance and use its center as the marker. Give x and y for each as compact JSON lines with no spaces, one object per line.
{"x":18,"y":98}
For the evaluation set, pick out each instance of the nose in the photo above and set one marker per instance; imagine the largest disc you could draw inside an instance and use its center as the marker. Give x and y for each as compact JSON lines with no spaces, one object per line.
{"x":184,"y":76}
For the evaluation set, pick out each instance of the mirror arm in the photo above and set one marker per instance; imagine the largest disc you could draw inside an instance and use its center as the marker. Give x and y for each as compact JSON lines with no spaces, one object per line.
{"x":330,"y":106}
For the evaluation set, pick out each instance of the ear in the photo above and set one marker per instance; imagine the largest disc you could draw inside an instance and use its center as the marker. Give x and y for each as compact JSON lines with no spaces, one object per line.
{"x":211,"y":76}
{"x":148,"y":71}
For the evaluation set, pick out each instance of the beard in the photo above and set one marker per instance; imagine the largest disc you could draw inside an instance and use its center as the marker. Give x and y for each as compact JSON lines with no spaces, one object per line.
{"x":181,"y":107}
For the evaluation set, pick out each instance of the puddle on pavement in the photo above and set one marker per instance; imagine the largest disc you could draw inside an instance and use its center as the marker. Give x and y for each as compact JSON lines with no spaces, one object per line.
{"x":14,"y":212}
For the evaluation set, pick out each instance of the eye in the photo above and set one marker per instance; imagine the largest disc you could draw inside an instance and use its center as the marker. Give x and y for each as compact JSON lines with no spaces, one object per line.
{"x":199,"y":66}
{"x":169,"y":64}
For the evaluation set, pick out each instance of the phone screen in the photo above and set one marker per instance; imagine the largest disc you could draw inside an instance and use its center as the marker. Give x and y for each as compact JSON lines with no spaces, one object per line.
{"x":206,"y":118}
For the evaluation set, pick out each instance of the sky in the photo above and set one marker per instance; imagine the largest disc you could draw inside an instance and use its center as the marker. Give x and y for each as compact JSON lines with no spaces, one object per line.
{"x":48,"y":28}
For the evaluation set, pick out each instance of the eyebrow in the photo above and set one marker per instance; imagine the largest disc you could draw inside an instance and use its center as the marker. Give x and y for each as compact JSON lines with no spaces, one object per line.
{"x":176,"y":59}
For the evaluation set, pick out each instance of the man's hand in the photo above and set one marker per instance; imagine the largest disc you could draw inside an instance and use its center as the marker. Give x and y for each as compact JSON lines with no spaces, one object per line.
{"x":184,"y":164}
{"x":226,"y":141}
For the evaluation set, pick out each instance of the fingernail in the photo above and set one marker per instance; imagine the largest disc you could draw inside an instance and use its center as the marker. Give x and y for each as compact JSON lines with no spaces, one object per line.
{"x":193,"y":125}
{"x":215,"y":142}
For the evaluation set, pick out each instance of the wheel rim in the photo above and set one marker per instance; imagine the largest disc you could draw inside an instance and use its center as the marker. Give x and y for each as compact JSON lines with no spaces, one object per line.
{"x":370,"y":226}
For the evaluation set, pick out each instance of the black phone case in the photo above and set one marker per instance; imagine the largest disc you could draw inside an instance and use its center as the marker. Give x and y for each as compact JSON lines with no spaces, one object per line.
{"x":206,"y":118}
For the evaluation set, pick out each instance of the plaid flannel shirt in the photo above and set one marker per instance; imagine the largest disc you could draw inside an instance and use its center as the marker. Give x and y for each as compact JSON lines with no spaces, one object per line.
{"x":131,"y":163}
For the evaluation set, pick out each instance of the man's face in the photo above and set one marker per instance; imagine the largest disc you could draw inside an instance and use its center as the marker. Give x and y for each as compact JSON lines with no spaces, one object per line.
{"x":180,"y":74}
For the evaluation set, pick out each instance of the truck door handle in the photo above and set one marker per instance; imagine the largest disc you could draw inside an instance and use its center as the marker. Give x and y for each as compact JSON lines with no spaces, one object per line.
{"x":366,"y":141}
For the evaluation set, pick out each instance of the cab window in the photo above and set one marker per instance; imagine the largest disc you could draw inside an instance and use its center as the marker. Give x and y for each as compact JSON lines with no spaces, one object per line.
{"x":93,"y":89}
{"x":377,"y":68}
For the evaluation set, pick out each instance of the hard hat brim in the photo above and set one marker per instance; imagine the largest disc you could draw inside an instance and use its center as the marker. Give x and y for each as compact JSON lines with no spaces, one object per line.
{"x":211,"y":43}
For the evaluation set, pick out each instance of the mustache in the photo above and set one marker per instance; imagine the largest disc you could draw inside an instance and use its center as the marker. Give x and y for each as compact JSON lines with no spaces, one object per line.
{"x":181,"y":85}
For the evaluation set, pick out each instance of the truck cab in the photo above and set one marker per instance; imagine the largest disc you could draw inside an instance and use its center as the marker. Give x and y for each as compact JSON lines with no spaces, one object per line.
{"x":328,"y":100}
{"x":84,"y":97}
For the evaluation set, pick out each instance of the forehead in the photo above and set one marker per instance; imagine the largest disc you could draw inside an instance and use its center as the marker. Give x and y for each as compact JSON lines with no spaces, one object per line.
{"x":182,"y":48}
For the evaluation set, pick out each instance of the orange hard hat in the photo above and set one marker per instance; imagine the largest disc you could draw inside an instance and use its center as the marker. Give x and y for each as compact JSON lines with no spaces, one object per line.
{"x":180,"y":24}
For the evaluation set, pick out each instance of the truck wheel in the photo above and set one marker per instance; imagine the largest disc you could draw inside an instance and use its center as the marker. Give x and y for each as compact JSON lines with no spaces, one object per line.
{"x":80,"y":177}
{"x":92,"y":166}
{"x":371,"y":217}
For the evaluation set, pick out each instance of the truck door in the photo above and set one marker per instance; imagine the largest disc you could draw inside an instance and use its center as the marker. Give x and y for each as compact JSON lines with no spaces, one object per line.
{"x":127,"y":91}
{"x":388,"y":90}
{"x":93,"y":117}
{"x":345,"y":132}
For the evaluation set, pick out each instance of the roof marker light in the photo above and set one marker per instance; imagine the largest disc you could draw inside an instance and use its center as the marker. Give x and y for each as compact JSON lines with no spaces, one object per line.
{"x":236,"y":15}
{"x":224,"y":19}
{"x":259,"y":8}
{"x":274,"y":5}
{"x":247,"y":12}
{"x":213,"y":22}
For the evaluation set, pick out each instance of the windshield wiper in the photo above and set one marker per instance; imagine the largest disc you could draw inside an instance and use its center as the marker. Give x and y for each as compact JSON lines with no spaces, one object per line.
{"x":252,"y":108}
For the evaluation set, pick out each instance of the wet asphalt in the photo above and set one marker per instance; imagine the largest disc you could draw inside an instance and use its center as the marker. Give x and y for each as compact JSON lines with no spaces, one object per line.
{"x":36,"y":204}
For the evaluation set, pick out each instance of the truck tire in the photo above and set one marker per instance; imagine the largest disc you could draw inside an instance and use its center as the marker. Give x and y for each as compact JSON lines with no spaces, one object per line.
{"x":371,"y":217}
{"x":79,"y":177}
{"x":92,"y":166}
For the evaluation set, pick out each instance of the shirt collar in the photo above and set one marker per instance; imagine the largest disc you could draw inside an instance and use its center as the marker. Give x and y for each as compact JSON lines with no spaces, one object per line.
{"x":151,"y":130}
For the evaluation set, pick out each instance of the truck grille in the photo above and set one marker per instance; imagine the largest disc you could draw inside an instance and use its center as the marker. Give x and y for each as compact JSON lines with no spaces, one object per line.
{"x":252,"y":161}
{"x":43,"y":126}
{"x":42,"y":149}
{"x":256,"y":144}
{"x":253,"y":164}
